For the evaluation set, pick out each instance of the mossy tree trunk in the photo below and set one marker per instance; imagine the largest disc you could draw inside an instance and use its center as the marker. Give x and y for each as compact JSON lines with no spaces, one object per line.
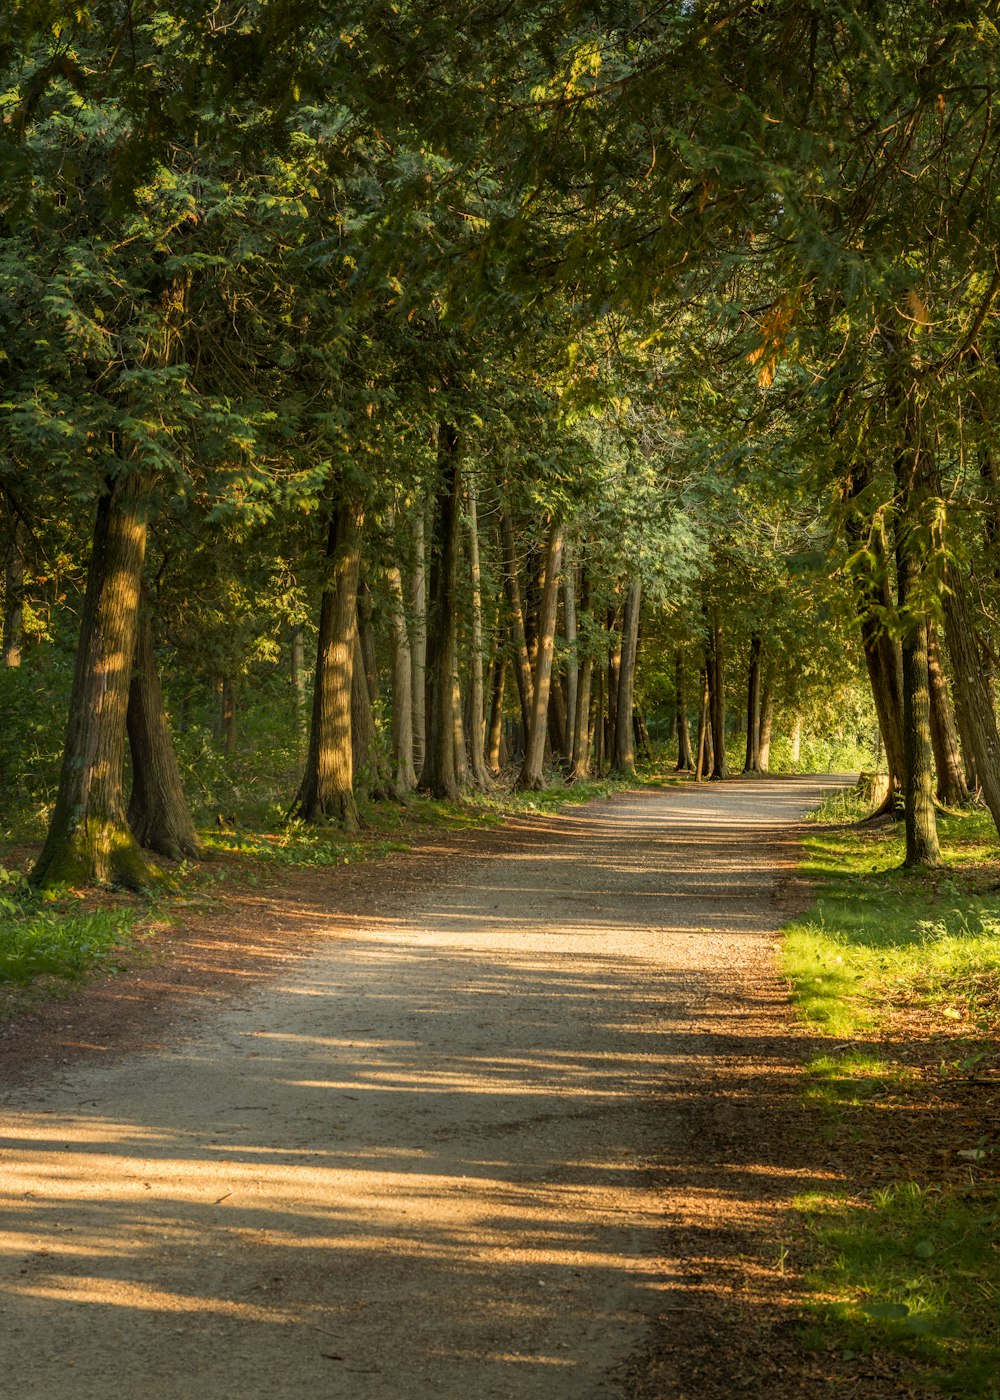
{"x":158,"y":811}
{"x":89,"y":840}
{"x":326,"y":792}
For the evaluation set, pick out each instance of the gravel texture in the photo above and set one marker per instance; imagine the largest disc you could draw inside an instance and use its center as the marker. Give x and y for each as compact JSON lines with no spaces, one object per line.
{"x":512,"y":1127}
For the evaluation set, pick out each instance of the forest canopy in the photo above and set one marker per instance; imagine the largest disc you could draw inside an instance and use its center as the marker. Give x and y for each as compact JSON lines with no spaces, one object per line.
{"x":404,"y":395}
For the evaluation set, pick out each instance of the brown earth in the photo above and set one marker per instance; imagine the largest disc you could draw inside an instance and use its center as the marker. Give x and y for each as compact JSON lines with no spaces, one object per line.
{"x":515,"y":1114}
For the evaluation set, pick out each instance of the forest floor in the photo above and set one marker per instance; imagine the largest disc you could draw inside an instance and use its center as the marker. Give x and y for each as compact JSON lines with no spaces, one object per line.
{"x":518,"y":1113}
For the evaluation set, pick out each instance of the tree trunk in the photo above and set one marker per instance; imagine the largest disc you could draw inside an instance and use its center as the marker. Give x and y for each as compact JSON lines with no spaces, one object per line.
{"x":918,"y":793}
{"x":366,"y":637}
{"x":495,"y":736}
{"x":599,"y":724}
{"x":326,"y":792}
{"x":438,"y":774}
{"x":298,"y":660}
{"x":873,"y":602}
{"x":717,"y":691}
{"x":766,"y":718}
{"x":951,"y":790}
{"x":795,"y":739}
{"x":572,"y":663}
{"x":559,"y":727}
{"x":13,"y":596}
{"x":531,"y":776}
{"x":614,"y":671}
{"x":477,"y":703}
{"x":703,"y":764}
{"x":89,"y":840}
{"x":404,"y":777}
{"x":623,"y":760}
{"x":752,"y":761}
{"x":973,"y":705}
{"x":684,"y":763}
{"x":522,"y":665}
{"x":580,"y":770}
{"x":158,"y":812}
{"x":418,"y":647}
{"x":227,"y":716}
{"x":370,"y":775}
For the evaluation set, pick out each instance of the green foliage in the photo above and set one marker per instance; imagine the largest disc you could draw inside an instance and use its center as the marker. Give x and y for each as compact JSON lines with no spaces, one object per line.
{"x":53,"y":938}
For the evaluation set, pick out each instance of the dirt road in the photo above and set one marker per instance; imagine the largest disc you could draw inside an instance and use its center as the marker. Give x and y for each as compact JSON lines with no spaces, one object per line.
{"x":433,"y":1161}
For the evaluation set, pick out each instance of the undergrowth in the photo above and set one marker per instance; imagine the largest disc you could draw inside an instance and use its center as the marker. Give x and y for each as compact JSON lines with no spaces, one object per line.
{"x":902,"y":974}
{"x":55,"y":938}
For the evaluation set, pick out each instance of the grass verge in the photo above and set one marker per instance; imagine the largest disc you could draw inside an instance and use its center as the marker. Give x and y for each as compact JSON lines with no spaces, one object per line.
{"x":900,"y":973}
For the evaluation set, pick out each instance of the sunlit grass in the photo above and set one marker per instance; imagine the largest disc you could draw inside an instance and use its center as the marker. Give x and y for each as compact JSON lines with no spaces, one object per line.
{"x":913,"y":1267}
{"x":918,"y":1269}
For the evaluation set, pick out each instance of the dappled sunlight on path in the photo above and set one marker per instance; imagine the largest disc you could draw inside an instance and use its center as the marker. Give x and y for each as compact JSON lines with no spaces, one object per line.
{"x":428,"y":1162}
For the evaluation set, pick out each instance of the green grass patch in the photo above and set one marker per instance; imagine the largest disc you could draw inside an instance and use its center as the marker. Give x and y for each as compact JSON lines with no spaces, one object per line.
{"x":877,"y":934}
{"x":55,"y":938}
{"x":911,"y":962}
{"x":915,"y":1269}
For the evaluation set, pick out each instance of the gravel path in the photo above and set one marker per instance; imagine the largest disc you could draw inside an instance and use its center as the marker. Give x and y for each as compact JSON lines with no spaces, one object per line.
{"x":428,"y":1162}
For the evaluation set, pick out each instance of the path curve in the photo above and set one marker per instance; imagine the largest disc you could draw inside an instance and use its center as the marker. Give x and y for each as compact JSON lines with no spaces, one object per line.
{"x":424,"y":1163}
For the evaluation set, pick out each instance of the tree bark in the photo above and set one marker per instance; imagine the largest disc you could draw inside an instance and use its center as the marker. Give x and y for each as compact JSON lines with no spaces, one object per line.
{"x":326,"y":792}
{"x":599,"y":730}
{"x":477,"y":703}
{"x":522,"y":665}
{"x":703,"y":764}
{"x":951,"y":788}
{"x":298,"y":667}
{"x":89,"y":840}
{"x":158,"y":811}
{"x":973,"y":704}
{"x":531,"y":776}
{"x":883,"y":658}
{"x":623,"y":760}
{"x":495,"y":736}
{"x":438,"y":774}
{"x":418,"y":646}
{"x":717,"y":692}
{"x":404,"y":777}
{"x":371,"y":777}
{"x":752,"y":762}
{"x":922,"y":847}
{"x":684,"y":762}
{"x":572,"y":661}
{"x":766,"y":718}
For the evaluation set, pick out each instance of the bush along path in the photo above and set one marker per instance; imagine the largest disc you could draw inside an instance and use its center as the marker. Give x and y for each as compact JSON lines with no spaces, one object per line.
{"x":900,"y":973}
{"x":518,"y":1116}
